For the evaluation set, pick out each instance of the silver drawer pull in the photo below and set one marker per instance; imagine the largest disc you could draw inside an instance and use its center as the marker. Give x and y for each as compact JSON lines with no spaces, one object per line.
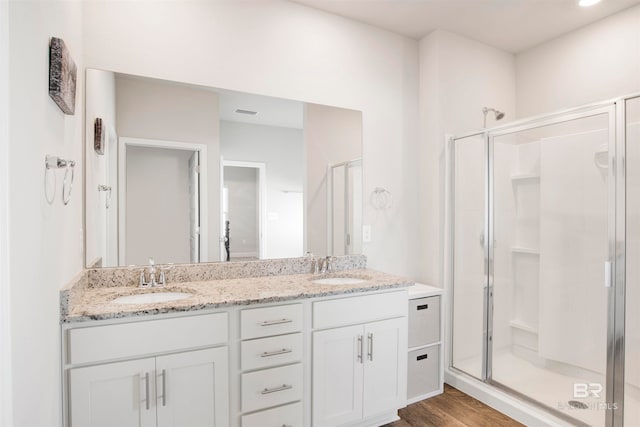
{"x":275,"y":322}
{"x":275,"y":353}
{"x":283,"y":387}
{"x":287,"y":425}
{"x":146,"y":390}
{"x":164,"y":387}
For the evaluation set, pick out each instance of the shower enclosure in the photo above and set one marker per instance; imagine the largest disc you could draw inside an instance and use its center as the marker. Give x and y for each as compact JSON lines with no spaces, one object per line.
{"x":545,"y":261}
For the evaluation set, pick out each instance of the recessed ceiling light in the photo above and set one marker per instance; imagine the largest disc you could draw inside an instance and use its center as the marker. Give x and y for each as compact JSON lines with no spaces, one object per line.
{"x":586,"y":3}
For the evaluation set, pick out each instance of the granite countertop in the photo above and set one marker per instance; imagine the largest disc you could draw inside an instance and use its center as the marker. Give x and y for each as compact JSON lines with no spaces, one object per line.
{"x":95,"y":303}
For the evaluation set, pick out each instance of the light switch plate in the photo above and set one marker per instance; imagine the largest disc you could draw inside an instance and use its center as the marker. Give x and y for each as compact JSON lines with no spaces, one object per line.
{"x":366,"y":233}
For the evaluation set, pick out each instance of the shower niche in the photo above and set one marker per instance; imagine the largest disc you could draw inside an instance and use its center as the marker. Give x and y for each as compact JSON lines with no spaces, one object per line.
{"x":518,"y":198}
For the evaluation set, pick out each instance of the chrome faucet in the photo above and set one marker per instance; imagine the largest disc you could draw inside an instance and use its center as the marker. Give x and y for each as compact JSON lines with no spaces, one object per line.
{"x":152,"y":273}
{"x":328,"y":264}
{"x":153,"y":282}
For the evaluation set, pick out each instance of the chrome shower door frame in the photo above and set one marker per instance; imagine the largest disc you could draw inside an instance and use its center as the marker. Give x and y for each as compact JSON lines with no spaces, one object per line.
{"x":615,"y":362}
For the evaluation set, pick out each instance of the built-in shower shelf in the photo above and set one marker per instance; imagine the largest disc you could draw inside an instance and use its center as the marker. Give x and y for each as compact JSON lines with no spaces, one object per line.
{"x":523,"y":250}
{"x":523,"y":326}
{"x":525,"y":177}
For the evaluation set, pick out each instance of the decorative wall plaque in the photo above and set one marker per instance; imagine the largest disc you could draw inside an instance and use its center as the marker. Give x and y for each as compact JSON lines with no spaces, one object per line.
{"x":98,"y":136}
{"x":62,"y":76}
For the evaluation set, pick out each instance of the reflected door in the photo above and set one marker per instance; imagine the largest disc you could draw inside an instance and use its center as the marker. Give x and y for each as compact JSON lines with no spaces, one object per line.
{"x":194,"y":206}
{"x":344,"y":221}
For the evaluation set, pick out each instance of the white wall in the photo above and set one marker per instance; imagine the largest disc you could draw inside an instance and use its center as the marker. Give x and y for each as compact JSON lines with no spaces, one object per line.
{"x":278,"y":48}
{"x":100,"y":102}
{"x":45,"y":242}
{"x":332,"y":135}
{"x":459,"y":77}
{"x":5,"y":307}
{"x":595,"y":63}
{"x":282,"y":150}
{"x":154,"y":109}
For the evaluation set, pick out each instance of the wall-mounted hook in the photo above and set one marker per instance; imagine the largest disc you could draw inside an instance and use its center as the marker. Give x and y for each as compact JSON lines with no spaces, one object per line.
{"x":107,"y":189}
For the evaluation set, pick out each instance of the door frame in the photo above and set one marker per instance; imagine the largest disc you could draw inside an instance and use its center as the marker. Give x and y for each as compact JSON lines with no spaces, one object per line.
{"x":6,"y":412}
{"x":262,"y":202}
{"x":123,"y":143}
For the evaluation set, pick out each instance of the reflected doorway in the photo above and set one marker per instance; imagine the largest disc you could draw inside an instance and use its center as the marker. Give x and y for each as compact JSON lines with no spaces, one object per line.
{"x":242,"y":210}
{"x":163,"y":184}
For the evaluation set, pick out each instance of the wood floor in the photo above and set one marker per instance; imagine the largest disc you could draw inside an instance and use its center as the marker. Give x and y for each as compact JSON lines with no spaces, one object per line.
{"x":452,"y":408}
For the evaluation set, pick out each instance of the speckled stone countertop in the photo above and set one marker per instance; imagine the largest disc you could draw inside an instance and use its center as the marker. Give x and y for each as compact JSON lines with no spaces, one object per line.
{"x":85,"y":303}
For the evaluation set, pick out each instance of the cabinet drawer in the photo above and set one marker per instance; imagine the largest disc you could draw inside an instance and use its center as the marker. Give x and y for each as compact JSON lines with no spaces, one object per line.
{"x":424,"y":321}
{"x":266,"y":352}
{"x":100,"y":343}
{"x":423,"y":371}
{"x":361,"y":309}
{"x":288,"y":415}
{"x":271,"y":387}
{"x":268,"y":321}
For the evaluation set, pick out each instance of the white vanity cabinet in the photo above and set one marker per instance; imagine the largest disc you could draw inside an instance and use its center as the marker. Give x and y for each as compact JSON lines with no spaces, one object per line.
{"x":111,"y":395}
{"x":180,"y":388}
{"x":327,"y":361}
{"x":272,"y":372}
{"x":359,"y":370}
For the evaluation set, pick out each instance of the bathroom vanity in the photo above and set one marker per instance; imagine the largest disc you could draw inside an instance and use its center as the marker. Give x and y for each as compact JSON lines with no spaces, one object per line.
{"x":244,"y":351}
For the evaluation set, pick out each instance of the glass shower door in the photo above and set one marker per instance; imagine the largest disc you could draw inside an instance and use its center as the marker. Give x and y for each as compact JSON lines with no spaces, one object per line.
{"x":469,"y":255}
{"x":632,"y":290}
{"x":552,"y":204}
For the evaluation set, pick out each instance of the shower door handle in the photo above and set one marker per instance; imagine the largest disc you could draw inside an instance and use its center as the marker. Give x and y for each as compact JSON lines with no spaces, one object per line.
{"x":607,"y":274}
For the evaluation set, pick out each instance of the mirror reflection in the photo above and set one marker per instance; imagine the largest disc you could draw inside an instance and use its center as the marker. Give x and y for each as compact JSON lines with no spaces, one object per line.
{"x":184,"y":174}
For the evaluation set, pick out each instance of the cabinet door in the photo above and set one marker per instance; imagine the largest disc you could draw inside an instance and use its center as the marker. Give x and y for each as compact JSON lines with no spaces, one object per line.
{"x":113,"y":394}
{"x":192,"y":389}
{"x":337,"y":376}
{"x":385,"y":366}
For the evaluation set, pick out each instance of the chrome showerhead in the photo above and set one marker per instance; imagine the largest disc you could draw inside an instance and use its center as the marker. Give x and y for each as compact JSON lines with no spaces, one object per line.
{"x":498,"y":114}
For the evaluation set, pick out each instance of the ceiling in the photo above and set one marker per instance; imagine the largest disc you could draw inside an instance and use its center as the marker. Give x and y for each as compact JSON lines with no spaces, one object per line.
{"x":510,"y":25}
{"x":271,"y":111}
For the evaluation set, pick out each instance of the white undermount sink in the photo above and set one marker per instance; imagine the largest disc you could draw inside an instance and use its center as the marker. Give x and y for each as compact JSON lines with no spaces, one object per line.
{"x":338,"y":281}
{"x":150,"y":298}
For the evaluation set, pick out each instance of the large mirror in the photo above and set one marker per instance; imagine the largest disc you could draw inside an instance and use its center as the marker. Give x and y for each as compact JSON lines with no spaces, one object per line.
{"x":184,"y":174}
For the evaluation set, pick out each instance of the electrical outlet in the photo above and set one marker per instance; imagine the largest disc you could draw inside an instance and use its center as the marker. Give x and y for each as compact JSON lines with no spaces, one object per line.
{"x":366,"y":233}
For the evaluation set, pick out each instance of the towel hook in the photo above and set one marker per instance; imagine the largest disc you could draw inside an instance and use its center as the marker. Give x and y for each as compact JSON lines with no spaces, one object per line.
{"x":54,"y":162}
{"x":381,"y":198}
{"x":107,"y":189}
